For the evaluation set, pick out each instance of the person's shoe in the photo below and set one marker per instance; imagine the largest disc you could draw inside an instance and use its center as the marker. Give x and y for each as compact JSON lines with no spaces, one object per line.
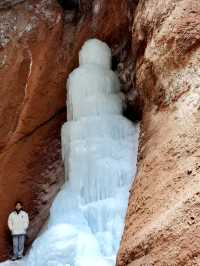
{"x":20,"y":257}
{"x":14,"y":258}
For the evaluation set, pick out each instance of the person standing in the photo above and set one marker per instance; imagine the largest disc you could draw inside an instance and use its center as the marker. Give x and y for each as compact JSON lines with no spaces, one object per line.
{"x":18,"y":222}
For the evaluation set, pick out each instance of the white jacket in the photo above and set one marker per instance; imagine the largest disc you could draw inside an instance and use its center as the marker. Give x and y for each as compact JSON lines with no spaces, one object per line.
{"x":18,"y":223}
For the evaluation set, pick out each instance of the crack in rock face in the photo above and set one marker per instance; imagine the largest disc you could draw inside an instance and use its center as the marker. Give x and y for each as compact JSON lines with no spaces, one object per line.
{"x":69,"y":4}
{"x":9,"y":3}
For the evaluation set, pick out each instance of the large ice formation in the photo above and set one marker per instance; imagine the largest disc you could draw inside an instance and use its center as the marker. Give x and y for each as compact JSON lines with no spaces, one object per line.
{"x":99,"y":148}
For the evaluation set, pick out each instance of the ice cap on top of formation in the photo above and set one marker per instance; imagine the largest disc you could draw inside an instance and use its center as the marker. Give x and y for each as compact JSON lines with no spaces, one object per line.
{"x":97,"y":52}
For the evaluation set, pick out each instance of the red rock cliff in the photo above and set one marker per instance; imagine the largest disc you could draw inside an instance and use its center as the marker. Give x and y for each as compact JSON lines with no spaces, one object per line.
{"x":162,"y":225}
{"x":32,"y":82}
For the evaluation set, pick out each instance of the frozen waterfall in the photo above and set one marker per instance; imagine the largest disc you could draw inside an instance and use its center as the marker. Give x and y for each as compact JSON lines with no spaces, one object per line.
{"x":99,"y":148}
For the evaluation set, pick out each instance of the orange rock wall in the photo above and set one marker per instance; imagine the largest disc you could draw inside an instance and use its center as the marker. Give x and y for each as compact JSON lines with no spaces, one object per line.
{"x":162,"y":222}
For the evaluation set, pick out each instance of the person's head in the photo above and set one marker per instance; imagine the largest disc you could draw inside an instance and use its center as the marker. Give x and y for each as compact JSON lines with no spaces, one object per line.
{"x":18,"y":205}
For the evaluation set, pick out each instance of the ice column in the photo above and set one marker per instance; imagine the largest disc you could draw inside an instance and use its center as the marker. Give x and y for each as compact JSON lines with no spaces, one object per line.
{"x":99,"y":148}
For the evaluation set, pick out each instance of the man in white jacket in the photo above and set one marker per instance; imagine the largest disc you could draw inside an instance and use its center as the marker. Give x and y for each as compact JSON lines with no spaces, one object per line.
{"x":18,"y":222}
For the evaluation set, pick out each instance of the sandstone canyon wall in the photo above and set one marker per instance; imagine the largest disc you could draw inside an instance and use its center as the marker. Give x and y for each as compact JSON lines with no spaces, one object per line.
{"x":31,"y":111}
{"x":163,"y":220}
{"x":39,"y":44}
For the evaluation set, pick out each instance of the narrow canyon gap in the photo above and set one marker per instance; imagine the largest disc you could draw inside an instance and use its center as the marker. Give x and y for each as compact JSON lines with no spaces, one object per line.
{"x":99,"y":148}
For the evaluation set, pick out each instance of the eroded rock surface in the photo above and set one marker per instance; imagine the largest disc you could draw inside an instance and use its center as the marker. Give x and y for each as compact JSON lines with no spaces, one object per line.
{"x":32,"y":82}
{"x":163,"y":218}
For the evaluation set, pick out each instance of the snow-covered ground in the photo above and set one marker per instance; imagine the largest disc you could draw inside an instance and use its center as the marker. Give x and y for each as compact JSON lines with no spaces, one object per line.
{"x":12,"y":263}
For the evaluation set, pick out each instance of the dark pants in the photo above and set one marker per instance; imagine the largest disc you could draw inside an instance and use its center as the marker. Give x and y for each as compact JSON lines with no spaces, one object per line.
{"x":18,"y":245}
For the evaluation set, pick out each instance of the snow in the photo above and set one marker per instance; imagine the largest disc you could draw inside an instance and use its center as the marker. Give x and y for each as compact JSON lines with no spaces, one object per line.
{"x":95,"y":52}
{"x":99,"y":148}
{"x":12,"y":263}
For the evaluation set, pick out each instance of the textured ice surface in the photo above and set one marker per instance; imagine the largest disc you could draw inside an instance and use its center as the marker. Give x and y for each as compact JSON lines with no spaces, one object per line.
{"x":95,"y":52}
{"x":12,"y":263}
{"x":99,"y":148}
